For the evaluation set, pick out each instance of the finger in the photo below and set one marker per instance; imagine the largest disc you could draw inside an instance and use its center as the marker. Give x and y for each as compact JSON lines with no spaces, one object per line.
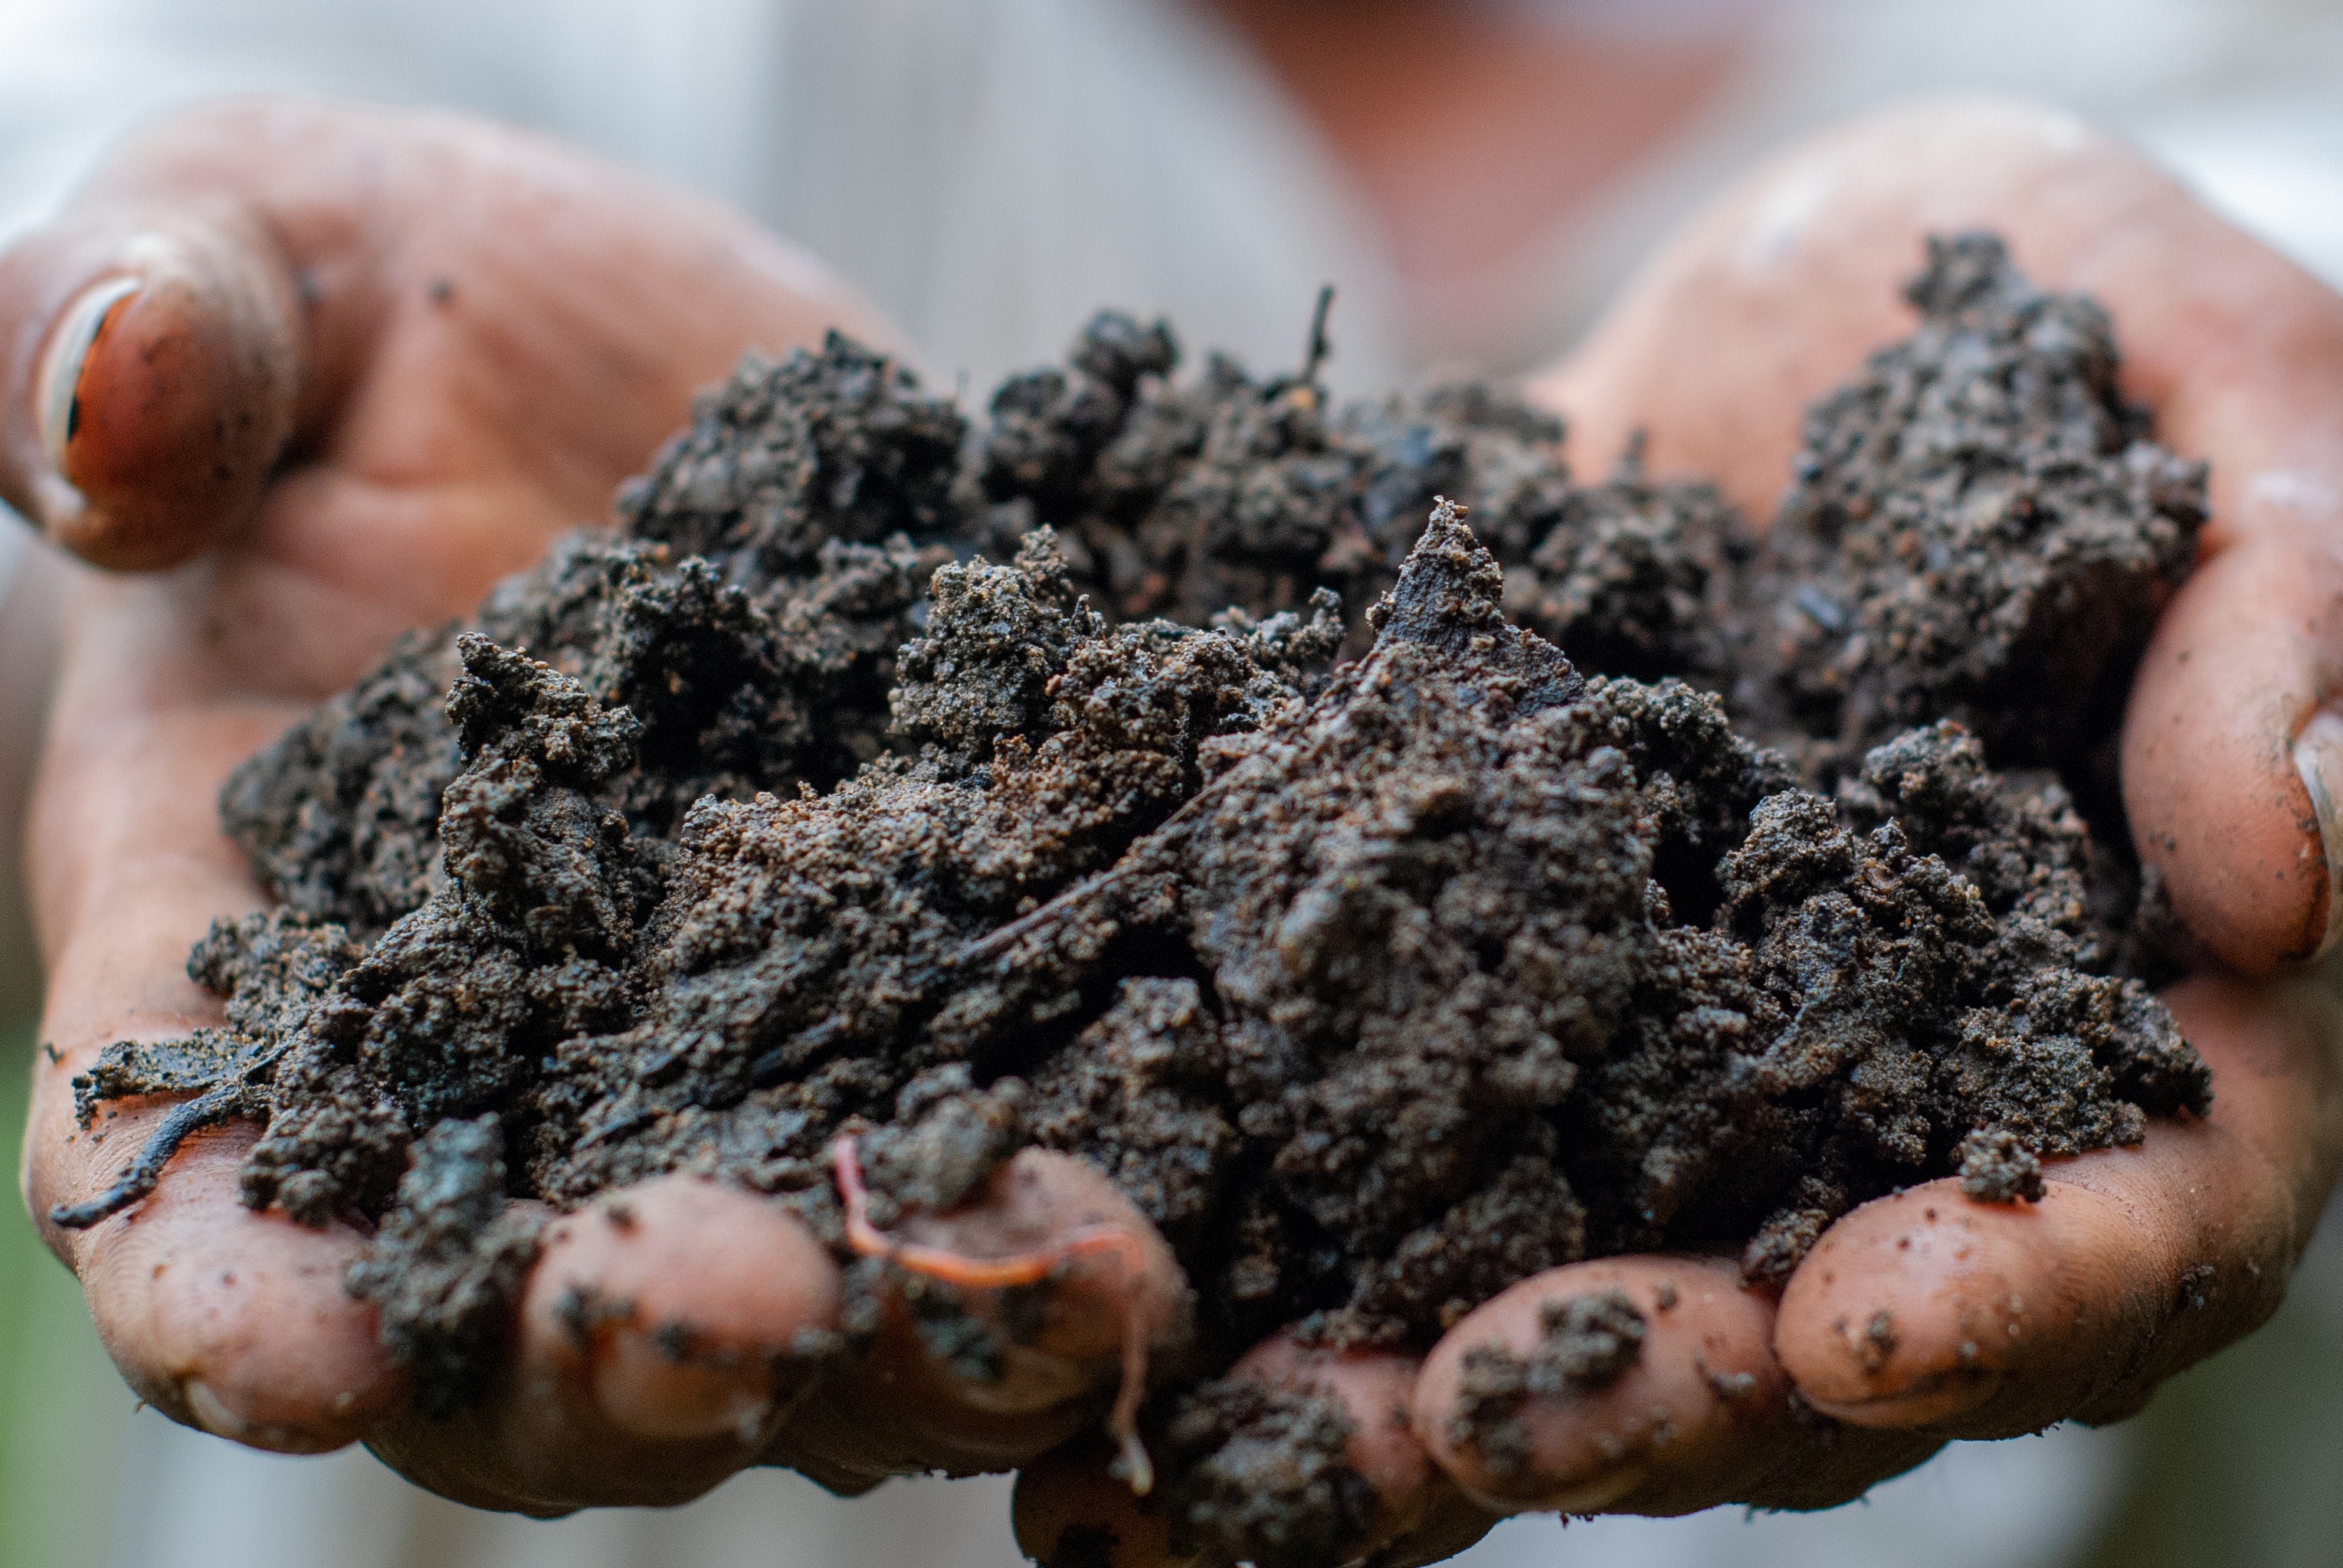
{"x":243,"y":275}
{"x":1929,"y":1311}
{"x":1639,"y":1386}
{"x":1297,"y":1455}
{"x":1582,"y":1385}
{"x":1000,"y":1330}
{"x":1778,"y":292}
{"x":230,"y":1320}
{"x":1070,"y":1512}
{"x":689,"y":1304}
{"x":1373,"y":1393}
{"x":665,"y":1333}
{"x":221,"y":1318}
{"x":148,"y":416}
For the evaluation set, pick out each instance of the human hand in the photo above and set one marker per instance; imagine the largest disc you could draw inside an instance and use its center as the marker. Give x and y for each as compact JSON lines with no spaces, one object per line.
{"x":305,"y":377}
{"x":171,"y":680}
{"x":1927,"y":1316}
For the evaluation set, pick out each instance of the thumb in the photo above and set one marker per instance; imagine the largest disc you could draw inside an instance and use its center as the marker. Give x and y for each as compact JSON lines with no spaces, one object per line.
{"x":153,"y":365}
{"x":421,"y":297}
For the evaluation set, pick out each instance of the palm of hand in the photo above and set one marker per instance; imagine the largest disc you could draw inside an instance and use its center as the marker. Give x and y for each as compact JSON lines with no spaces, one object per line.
{"x":457,"y":388}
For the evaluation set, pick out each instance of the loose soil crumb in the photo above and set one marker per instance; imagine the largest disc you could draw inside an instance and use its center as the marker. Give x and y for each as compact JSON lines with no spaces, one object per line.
{"x":1393,"y":910}
{"x":1979,"y":528}
{"x":1879,"y":1339}
{"x":1262,"y":1478}
{"x":1995,"y":1168}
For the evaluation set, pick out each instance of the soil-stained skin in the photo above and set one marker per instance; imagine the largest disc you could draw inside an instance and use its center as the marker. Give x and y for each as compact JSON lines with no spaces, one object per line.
{"x":1586,"y":1343}
{"x":1412,"y":907}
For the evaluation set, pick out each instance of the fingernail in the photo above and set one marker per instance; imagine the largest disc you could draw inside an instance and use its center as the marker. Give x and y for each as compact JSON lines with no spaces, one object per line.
{"x":1927,"y":1401}
{"x":213,"y":1414}
{"x":1595,"y":1494}
{"x":2319,"y":759}
{"x":210,"y":1414}
{"x":56,"y":393}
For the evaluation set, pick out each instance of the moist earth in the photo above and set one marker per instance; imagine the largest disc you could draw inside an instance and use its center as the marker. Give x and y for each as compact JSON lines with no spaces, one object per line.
{"x":1394,"y":908}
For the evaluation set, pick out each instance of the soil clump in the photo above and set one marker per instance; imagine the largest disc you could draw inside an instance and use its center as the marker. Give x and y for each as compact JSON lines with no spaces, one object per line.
{"x":1393,"y":911}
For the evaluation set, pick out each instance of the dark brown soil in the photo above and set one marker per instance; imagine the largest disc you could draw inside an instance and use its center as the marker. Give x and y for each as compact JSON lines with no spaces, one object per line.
{"x":1381,"y":967}
{"x":1260,"y":1478}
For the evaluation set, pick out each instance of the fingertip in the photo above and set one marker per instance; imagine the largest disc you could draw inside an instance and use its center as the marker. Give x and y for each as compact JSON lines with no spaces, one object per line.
{"x":1375,"y":1392}
{"x":685,"y":1305}
{"x":1033,"y":1206}
{"x":155,"y":385}
{"x":235,"y":1322}
{"x":1001,"y":1324}
{"x":1598,"y":1383}
{"x":2231,"y":768}
{"x":1070,"y":1510}
{"x":659,"y":1346}
{"x":1918,"y":1310}
{"x":1930,"y":1310}
{"x":1303,"y":1452}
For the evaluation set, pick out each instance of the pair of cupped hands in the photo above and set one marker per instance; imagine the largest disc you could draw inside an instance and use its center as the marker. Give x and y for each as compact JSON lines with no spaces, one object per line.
{"x":289,"y":378}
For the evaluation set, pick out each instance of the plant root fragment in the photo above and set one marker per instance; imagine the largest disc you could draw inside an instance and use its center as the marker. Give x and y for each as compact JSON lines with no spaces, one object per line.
{"x":138,"y":1179}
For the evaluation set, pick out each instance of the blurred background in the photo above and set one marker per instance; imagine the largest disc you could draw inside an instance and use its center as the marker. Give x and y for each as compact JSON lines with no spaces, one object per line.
{"x":1476,"y":176}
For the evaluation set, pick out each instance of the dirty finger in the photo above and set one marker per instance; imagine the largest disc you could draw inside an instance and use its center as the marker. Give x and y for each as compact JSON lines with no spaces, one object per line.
{"x":995,"y":1331}
{"x":1642,"y":1385}
{"x":1298,"y":1454}
{"x":1932,"y":1309}
{"x":664,"y":1332}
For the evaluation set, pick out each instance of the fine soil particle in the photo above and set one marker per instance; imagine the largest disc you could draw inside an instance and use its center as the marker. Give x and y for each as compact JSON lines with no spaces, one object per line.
{"x":449,"y":1259}
{"x":1998,"y":1168}
{"x":1393,"y":910}
{"x":1879,"y":1339}
{"x":1585,"y":1344}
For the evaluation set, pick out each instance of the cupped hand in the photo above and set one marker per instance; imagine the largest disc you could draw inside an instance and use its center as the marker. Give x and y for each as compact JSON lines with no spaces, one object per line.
{"x":290,"y":378}
{"x":1927,"y":1316}
{"x":439,"y":344}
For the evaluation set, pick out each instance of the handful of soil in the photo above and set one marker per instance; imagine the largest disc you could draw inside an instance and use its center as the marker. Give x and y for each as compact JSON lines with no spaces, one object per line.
{"x":1392,"y":911}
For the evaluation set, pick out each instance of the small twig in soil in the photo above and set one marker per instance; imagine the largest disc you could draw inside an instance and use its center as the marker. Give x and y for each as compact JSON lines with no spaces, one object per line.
{"x":1320,"y":350}
{"x":1131,"y":866}
{"x":1021,"y":1269}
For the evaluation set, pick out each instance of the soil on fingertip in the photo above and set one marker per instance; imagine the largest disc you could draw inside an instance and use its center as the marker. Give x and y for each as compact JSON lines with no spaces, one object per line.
{"x":1583,"y":1344}
{"x":1395,"y":898}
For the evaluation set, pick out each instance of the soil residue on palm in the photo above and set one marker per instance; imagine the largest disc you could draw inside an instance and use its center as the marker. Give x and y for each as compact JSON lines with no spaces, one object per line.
{"x":1392,"y":910}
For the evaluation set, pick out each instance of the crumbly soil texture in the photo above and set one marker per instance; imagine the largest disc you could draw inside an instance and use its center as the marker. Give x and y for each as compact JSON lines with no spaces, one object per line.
{"x":1392,"y":908}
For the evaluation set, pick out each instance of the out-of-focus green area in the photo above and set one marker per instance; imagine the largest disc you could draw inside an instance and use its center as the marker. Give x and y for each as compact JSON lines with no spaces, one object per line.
{"x":2239,"y":1463}
{"x":62,"y":1406}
